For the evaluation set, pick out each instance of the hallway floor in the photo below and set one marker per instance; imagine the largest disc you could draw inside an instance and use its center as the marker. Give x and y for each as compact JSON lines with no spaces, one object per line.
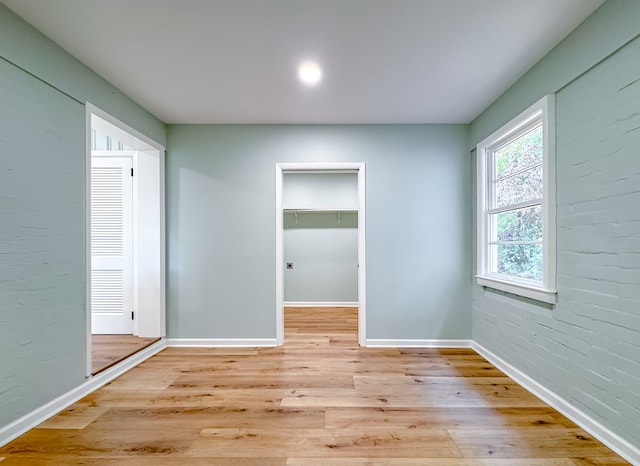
{"x":108,"y":350}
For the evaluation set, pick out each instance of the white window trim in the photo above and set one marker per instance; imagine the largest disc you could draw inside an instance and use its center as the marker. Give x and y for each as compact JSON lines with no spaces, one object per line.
{"x":544,"y":109}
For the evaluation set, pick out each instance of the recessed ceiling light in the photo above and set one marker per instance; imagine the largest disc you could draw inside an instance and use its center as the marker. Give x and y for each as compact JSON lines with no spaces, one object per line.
{"x":309,"y":73}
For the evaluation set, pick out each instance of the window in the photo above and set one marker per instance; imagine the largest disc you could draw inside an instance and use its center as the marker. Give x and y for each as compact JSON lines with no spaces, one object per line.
{"x":516,"y":205}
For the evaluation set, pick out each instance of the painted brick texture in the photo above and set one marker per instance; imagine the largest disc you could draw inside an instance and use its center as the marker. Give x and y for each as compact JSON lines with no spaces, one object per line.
{"x":587,"y":348}
{"x":42,"y":225}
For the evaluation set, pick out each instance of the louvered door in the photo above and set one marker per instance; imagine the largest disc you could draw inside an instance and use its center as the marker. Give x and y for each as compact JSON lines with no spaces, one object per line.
{"x":111,"y":245}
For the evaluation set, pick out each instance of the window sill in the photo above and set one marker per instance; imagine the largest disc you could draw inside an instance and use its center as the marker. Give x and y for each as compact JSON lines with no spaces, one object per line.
{"x":520,"y":289}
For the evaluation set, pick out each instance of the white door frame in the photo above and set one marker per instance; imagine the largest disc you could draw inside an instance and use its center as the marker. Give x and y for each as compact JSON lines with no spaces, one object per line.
{"x":149,"y":255}
{"x":337,"y":167}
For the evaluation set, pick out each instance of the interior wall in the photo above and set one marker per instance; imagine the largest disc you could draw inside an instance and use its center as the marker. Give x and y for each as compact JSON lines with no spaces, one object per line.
{"x":42,"y":319}
{"x":43,"y":220}
{"x":321,"y":246}
{"x":587,"y":347}
{"x":27,"y":48}
{"x":320,"y":191}
{"x":610,"y":27}
{"x":221,"y":225}
{"x":324,"y":258}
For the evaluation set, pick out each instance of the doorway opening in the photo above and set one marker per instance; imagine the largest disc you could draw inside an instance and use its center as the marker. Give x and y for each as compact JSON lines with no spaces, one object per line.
{"x":345,"y":215}
{"x":125,"y":241}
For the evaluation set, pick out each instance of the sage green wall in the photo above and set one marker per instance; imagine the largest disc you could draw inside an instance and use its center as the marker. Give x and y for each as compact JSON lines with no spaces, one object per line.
{"x":323,"y":247}
{"x":221,"y":225}
{"x":320,"y":191}
{"x":586,"y":348}
{"x":42,"y":214}
{"x":26,"y":47}
{"x":611,"y":26}
{"x":325,"y":261}
{"x":42,"y":321}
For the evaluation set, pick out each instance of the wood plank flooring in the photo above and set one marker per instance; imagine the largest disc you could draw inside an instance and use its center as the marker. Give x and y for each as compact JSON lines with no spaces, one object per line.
{"x":319,"y":400}
{"x":108,"y":350}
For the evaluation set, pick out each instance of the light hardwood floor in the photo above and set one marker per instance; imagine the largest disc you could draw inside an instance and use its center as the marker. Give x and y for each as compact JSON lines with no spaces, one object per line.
{"x":319,"y":400}
{"x":108,"y":350}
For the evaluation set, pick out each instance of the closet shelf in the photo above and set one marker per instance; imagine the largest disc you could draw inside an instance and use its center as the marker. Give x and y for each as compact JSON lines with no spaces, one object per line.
{"x":321,"y":211}
{"x":337,"y":212}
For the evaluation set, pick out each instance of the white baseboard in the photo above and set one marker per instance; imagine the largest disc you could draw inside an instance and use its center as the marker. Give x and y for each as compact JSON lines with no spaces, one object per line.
{"x":221,"y":342}
{"x":622,"y":447}
{"x":381,"y":343}
{"x":44,"y":412}
{"x":319,"y":304}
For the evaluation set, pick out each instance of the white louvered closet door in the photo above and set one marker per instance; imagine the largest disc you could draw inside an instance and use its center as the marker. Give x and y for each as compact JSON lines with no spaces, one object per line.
{"x":111,"y":245}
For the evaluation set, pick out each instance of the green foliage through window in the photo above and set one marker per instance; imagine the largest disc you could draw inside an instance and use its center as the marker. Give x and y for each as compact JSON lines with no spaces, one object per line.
{"x":518,"y":179}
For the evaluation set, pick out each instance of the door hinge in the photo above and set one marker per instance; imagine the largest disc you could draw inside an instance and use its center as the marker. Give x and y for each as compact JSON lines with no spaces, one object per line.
{"x":131,"y":315}
{"x":132,"y":172}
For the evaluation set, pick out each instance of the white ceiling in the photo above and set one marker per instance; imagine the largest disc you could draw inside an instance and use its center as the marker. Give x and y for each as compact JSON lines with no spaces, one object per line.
{"x":234,"y":61}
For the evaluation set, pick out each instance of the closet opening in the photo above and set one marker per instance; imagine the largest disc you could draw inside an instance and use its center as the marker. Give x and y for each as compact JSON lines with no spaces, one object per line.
{"x":125,"y":241}
{"x":320,"y":244}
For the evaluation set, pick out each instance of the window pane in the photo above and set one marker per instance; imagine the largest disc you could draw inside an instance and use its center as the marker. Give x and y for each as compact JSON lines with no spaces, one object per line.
{"x":522,"y":187}
{"x":517,"y":225}
{"x":518,"y":260}
{"x":520,"y":153}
